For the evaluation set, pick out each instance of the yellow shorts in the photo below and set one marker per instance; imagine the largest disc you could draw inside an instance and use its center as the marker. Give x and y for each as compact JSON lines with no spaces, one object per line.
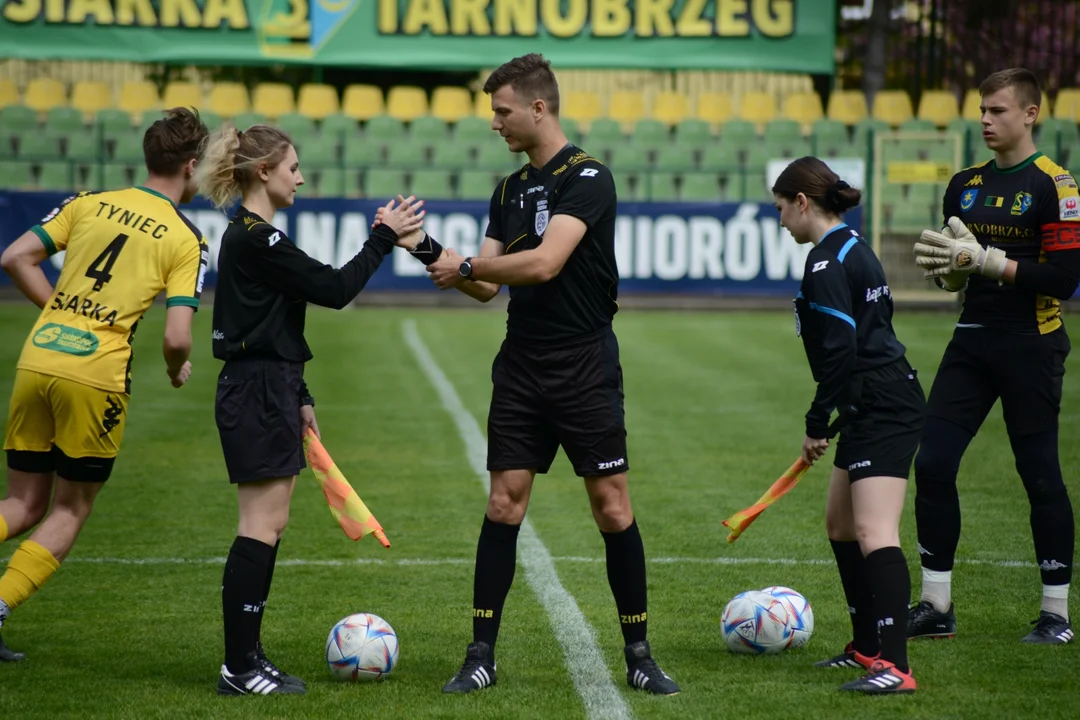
{"x":79,"y":420}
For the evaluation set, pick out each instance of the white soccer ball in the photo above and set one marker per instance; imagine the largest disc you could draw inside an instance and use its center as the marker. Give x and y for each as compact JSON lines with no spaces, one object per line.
{"x":800,"y":614}
{"x":361,"y":647}
{"x":756,"y":623}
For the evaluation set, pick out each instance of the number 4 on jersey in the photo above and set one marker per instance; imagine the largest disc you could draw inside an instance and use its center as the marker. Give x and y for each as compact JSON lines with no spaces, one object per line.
{"x":100,"y":271}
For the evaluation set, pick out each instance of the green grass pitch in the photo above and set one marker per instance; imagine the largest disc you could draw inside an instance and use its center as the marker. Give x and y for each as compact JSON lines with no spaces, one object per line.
{"x":130,"y":626}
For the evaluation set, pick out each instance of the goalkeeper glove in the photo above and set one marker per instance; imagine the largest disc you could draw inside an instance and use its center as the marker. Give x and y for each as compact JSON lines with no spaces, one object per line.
{"x":954,"y":281}
{"x":941,"y":255}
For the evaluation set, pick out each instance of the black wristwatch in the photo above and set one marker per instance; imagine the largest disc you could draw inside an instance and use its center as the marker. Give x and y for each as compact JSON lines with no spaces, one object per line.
{"x":465,"y":269}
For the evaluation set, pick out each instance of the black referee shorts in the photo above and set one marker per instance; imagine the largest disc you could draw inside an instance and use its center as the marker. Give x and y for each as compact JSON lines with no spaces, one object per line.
{"x":570,"y":395}
{"x":981,"y":365}
{"x":883,"y":439}
{"x":258,"y":418}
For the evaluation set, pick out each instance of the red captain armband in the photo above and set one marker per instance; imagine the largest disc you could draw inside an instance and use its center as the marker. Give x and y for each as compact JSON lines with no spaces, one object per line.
{"x":1060,"y":236}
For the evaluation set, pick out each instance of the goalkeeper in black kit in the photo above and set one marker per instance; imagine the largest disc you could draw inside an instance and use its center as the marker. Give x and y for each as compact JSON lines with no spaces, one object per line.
{"x":1012,"y":243}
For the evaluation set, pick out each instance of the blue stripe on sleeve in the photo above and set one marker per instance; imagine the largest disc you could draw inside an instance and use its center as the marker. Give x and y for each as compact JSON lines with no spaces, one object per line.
{"x":835,"y":313}
{"x":847,"y":247}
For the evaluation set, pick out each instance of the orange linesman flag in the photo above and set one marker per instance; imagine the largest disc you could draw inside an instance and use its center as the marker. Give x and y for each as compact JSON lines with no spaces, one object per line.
{"x":345,"y":505}
{"x":741,"y":520}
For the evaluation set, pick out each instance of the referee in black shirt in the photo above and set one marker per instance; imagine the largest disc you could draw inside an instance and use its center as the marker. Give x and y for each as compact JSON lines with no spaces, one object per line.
{"x":557,"y":379}
{"x":263,"y":407}
{"x":843,"y":313}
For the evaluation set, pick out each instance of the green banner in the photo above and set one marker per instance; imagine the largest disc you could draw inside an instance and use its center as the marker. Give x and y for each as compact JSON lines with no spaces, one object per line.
{"x":786,"y":35}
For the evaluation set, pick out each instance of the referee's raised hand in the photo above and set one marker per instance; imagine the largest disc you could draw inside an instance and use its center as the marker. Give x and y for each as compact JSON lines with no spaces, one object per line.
{"x":403,"y":219}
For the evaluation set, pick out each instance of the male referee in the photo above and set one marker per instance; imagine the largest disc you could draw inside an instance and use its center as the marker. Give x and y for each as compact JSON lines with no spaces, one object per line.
{"x":1013,"y":243}
{"x":557,"y":379}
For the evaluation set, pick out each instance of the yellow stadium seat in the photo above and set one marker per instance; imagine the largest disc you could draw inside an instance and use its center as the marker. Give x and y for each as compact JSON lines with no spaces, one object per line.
{"x":89,"y":97}
{"x":229,"y":99}
{"x":939,"y":107}
{"x":362,"y":102}
{"x":847,"y":106}
{"x":804,"y":108}
{"x":581,"y":106}
{"x":273,"y":100}
{"x":137,"y":97}
{"x":406,"y":102}
{"x":482,"y":105}
{"x":1044,"y":109}
{"x":43,"y":94}
{"x":1066,"y":106}
{"x":970,"y":109}
{"x":450,"y":104}
{"x":757,"y":107}
{"x":181,"y":93}
{"x":9,"y":92}
{"x":714,"y":107}
{"x":317,"y":101}
{"x":892,"y":106}
{"x":670,"y":107}
{"x":626,"y":107}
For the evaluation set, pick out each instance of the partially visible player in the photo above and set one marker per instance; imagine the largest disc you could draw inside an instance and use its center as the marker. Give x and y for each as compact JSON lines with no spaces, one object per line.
{"x":1012,"y":242}
{"x":70,"y":397}
{"x":843,"y":313}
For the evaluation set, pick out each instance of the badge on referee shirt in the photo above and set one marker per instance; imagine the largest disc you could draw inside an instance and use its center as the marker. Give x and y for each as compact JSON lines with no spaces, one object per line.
{"x":541,"y":222}
{"x":798,"y":323}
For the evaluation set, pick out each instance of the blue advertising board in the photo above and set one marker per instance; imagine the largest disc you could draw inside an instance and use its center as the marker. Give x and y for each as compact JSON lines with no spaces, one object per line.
{"x":662,"y":248}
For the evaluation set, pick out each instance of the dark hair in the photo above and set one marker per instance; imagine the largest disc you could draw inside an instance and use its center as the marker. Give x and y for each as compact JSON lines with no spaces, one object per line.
{"x":813,"y":178}
{"x":1023,"y":82}
{"x":173,"y":140}
{"x":531,"y":78}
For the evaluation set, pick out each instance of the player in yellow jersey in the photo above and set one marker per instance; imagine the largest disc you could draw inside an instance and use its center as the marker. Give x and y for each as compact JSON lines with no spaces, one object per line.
{"x":70,"y":395}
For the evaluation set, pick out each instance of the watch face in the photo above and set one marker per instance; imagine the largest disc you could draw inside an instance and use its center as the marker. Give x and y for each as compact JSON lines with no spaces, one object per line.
{"x":465,"y":269}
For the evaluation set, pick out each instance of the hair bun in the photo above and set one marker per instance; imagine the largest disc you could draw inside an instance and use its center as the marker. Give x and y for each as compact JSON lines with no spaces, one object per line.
{"x":834,"y":196}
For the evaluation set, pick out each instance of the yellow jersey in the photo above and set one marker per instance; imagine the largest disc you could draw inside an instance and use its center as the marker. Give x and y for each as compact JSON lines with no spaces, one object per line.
{"x":122,"y":249}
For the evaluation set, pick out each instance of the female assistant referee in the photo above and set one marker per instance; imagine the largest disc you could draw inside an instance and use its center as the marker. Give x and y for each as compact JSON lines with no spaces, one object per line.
{"x":263,"y":407}
{"x":843,"y":313}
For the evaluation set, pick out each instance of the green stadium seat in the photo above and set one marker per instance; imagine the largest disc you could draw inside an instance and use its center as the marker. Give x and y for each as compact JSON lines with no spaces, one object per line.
{"x":662,"y":187}
{"x":839,"y":150}
{"x":116,"y":176}
{"x":757,"y":159}
{"x":451,"y":156}
{"x":318,"y":151}
{"x":128,"y":149}
{"x":650,"y":133}
{"x":7,"y":144}
{"x":721,"y":156}
{"x":918,"y":126}
{"x":113,"y":123}
{"x":85,"y":146}
{"x":782,"y":130}
{"x":755,"y":188}
{"x":330,"y":182}
{"x":795,"y":148}
{"x":62,"y":120}
{"x":735,"y":187}
{"x":570,"y":129}
{"x":675,"y":157}
{"x":16,"y":175}
{"x":407,"y":156}
{"x":476,"y":184}
{"x":299,"y":127}
{"x":496,"y":157}
{"x":964,"y":128}
{"x":700,"y":187}
{"x":829,"y":131}
{"x":605,"y":130}
{"x":693,"y":132}
{"x":18,"y":118}
{"x":629,"y":158}
{"x":472,"y":131}
{"x":385,"y":129}
{"x":245,"y":120}
{"x":431,"y":185}
{"x":360,"y":152}
{"x":739,"y":131}
{"x":338,"y":124}
{"x":428,"y":130}
{"x":630,"y":186}
{"x":38,"y":146}
{"x":863,"y":129}
{"x":55,"y":176}
{"x":383,"y":184}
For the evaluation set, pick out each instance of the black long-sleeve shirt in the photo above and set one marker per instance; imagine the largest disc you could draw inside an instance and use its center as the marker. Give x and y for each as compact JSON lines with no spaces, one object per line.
{"x":265,"y":282}
{"x":843,"y":313}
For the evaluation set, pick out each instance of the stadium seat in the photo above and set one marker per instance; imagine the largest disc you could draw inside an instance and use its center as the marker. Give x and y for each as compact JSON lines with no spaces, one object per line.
{"x":782,"y":130}
{"x":451,"y":156}
{"x":1067,"y":105}
{"x":570,"y":129}
{"x":803,"y":107}
{"x":273,"y":99}
{"x":128,"y":149}
{"x":363,"y":102}
{"x":383,"y":184}
{"x":16,"y":175}
{"x":734,"y":187}
{"x":43,"y":94}
{"x":38,"y":146}
{"x":721,"y":156}
{"x":89,"y":97}
{"x":964,"y":128}
{"x":360,"y":152}
{"x":700,"y":187}
{"x":181,"y":93}
{"x":581,"y":106}
{"x":847,"y":107}
{"x":970,"y":108}
{"x":604,"y":132}
{"x":229,"y":99}
{"x":406,"y":156}
{"x":433,"y":184}
{"x":472,"y":131}
{"x":675,"y":157}
{"x":862,"y":132}
{"x":670,"y":108}
{"x":829,"y":130}
{"x":318,"y":151}
{"x":742,"y":131}
{"x":84,"y":147}
{"x":650,"y":133}
{"x":892,"y":106}
{"x":429,"y":130}
{"x":339,"y":124}
{"x":116,"y":176}
{"x":299,"y":127}
{"x":406,"y":102}
{"x":9,"y":92}
{"x":385,"y":129}
{"x":317,"y":101}
{"x":476,"y":184}
{"x":693,"y":132}
{"x":55,"y":176}
{"x":939,"y":107}
{"x":630,"y":186}
{"x":714,"y":108}
{"x":450,"y":104}
{"x":112,"y":122}
{"x":662,"y":187}
{"x":138,"y":96}
{"x":496,"y":157}
{"x":1045,"y":109}
{"x":7,"y":145}
{"x":62,"y":120}
{"x":245,"y":120}
{"x":757,"y":107}
{"x":482,"y":106}
{"x":918,"y":125}
{"x":329,"y":182}
{"x":626,"y":107}
{"x":629,"y":158}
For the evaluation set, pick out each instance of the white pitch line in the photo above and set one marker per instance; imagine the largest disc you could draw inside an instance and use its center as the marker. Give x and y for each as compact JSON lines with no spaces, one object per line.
{"x":590,"y":673}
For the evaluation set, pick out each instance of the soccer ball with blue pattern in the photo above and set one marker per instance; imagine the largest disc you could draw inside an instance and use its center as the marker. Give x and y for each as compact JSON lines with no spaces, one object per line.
{"x":800,"y":614}
{"x":755,"y":623}
{"x":361,"y":647}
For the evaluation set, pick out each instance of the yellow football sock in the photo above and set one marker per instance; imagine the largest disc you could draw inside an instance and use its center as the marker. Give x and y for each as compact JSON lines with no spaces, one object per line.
{"x":29,"y":568}
{"x":3,"y":529}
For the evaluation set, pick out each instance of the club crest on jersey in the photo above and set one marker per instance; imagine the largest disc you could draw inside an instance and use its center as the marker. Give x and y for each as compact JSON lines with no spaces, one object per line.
{"x":1021,"y":203}
{"x":541,"y":222}
{"x":967,"y":200}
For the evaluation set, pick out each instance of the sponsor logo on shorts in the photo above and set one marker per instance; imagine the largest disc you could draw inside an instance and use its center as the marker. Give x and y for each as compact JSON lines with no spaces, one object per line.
{"x":112,"y":415}
{"x":857,"y":465}
{"x":61,"y":338}
{"x":611,"y":464}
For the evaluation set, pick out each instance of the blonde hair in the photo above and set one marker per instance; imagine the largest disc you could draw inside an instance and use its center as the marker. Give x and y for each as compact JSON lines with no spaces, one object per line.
{"x":232,"y":157}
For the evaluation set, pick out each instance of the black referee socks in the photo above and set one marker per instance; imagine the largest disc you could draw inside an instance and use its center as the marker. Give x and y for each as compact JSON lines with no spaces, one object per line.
{"x":857,"y":591}
{"x":496,"y":561}
{"x":243,"y":589}
{"x":626,"y":575}
{"x":888,"y":574}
